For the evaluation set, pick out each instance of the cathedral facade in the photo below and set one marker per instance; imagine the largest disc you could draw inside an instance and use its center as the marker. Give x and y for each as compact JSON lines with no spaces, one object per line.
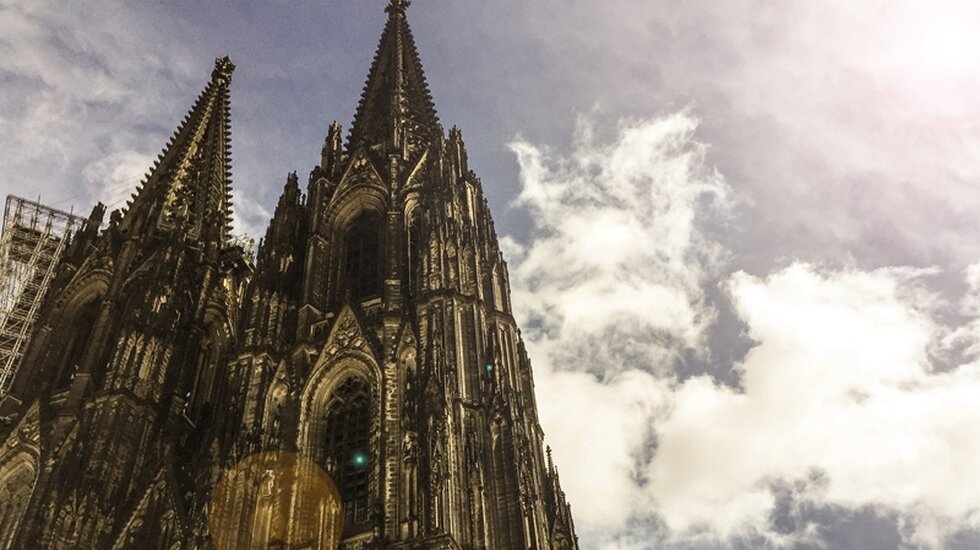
{"x":178,"y":394}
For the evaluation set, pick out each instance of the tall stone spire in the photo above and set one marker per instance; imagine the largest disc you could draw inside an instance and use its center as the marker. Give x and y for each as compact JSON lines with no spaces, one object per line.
{"x":374,"y":339}
{"x":187,"y":191}
{"x":396,"y":107}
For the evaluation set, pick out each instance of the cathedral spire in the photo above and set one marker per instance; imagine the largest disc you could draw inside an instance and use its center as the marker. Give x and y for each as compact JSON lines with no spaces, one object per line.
{"x":188,"y":190}
{"x":398,"y":5}
{"x":396,"y":105}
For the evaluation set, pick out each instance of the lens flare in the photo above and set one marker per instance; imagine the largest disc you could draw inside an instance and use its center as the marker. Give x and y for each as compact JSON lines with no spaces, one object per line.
{"x":925,"y":58}
{"x":359,"y":460}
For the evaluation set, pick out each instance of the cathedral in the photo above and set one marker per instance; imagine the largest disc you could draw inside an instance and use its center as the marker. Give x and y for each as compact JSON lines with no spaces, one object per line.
{"x":360,"y":383}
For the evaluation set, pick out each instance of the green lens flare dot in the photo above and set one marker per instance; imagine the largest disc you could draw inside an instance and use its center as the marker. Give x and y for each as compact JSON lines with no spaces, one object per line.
{"x":359,"y":459}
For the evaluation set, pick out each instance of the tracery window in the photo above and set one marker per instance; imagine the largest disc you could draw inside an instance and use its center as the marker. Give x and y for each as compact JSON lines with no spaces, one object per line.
{"x":16,"y":485}
{"x":362,"y":254}
{"x":415,"y":252}
{"x":79,"y":332}
{"x":274,"y":414}
{"x":347,"y":448}
{"x":206,"y":365}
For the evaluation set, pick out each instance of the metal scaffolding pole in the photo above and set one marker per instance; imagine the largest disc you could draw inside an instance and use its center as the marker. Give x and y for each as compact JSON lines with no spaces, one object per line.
{"x":33,"y":239}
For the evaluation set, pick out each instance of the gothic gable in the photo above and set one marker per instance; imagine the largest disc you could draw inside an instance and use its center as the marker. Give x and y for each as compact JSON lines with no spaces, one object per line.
{"x":361,"y":172}
{"x":157,"y":520}
{"x":416,"y":176}
{"x":26,"y":435}
{"x":348,"y":351}
{"x":347,"y":337}
{"x":407,"y":344}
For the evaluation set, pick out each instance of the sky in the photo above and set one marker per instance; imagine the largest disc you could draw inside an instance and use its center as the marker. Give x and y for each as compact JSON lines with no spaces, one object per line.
{"x":742,"y":236}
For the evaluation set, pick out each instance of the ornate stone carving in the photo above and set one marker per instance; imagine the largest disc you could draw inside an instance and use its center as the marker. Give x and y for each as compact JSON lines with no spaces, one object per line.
{"x":346,"y":335}
{"x":429,"y":466}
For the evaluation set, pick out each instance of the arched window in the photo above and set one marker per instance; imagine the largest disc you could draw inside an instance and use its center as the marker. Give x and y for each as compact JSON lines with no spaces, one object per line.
{"x":498,"y":290}
{"x":205,"y":370}
{"x":415,"y":252}
{"x":362,"y":255}
{"x":347,"y":449}
{"x":78,"y":332}
{"x":274,"y":414}
{"x":16,"y":485}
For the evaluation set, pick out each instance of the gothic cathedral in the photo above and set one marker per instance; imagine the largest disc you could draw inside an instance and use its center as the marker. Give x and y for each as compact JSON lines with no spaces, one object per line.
{"x":371,"y":341}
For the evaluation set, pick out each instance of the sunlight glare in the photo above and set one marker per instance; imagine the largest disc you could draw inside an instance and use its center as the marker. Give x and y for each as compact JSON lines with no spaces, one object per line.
{"x":927,"y":58}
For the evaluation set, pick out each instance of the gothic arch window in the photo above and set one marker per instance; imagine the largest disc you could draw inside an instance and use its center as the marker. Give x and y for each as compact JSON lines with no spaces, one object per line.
{"x":362,"y":257}
{"x":415,"y":252}
{"x":347,"y":448}
{"x":498,"y":289}
{"x":16,"y":485}
{"x":503,"y":468}
{"x":274,"y":413}
{"x":78,"y":331}
{"x":205,"y":369}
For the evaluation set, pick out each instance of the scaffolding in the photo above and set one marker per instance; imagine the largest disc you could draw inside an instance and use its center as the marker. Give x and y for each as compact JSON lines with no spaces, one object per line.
{"x":33,"y":239}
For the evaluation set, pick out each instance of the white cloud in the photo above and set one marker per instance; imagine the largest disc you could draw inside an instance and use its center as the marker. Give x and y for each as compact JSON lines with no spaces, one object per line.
{"x":850,"y":127}
{"x":82,"y":83}
{"x":610,"y":291}
{"x":113,"y":179}
{"x":840,"y":404}
{"x":621,"y":221}
{"x":248,"y":216}
{"x":95,"y":94}
{"x":840,"y":385}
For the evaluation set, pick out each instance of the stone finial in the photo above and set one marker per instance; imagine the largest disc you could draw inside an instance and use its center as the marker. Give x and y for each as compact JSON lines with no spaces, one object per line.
{"x":334,"y":133}
{"x":223,"y":67}
{"x":398,"y":6}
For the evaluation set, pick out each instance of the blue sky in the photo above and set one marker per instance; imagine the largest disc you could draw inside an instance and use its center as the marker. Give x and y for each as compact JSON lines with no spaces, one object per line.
{"x":742,"y":236}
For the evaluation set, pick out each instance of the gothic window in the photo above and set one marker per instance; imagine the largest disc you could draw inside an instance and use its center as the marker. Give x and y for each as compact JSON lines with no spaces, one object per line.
{"x":471,"y":370}
{"x":498,"y":290}
{"x":415,"y":251}
{"x":274,"y":414}
{"x":78,"y":333}
{"x":347,"y":449}
{"x":16,"y":485}
{"x":208,"y":359}
{"x":470,"y":202}
{"x":362,"y":255}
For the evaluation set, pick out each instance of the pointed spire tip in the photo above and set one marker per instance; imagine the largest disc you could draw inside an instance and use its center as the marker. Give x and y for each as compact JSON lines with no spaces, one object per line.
{"x":395,"y":87}
{"x":223,"y":67}
{"x":398,"y":6}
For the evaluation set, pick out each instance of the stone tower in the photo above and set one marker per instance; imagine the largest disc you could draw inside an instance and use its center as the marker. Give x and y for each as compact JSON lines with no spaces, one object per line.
{"x":373,"y":338}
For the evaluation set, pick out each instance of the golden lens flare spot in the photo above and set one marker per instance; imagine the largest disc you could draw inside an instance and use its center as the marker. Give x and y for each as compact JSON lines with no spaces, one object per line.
{"x":275,"y":500}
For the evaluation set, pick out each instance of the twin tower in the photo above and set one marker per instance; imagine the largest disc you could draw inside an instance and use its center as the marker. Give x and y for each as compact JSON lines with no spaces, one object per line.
{"x":371,"y":342}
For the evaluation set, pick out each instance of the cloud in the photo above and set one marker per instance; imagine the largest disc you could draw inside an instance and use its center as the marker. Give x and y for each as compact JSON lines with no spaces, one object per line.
{"x":113,"y":179}
{"x":609,"y":291}
{"x":621,"y":220}
{"x":86,"y":90}
{"x":95,"y":92}
{"x":248,"y":216}
{"x":850,"y":127}
{"x":838,"y":395}
{"x":844,"y":403}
